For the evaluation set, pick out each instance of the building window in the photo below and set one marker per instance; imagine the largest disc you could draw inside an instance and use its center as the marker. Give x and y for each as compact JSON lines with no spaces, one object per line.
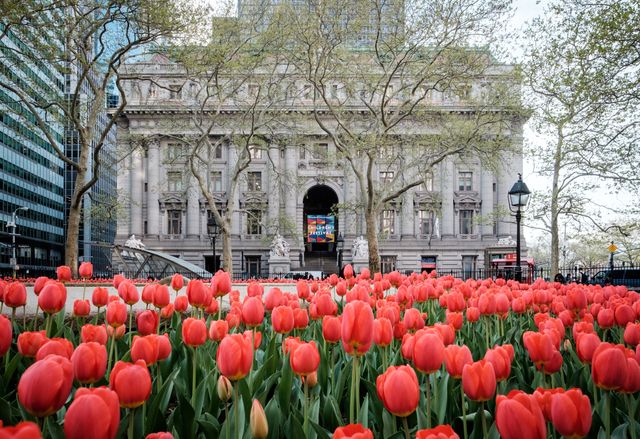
{"x":464,"y":181}
{"x":255,"y":152}
{"x":254,"y":222}
{"x":215,"y":184}
{"x":303,"y":152}
{"x":468,"y":267}
{"x":387,"y":222}
{"x":175,"y":222}
{"x":466,"y":222}
{"x":252,"y":266}
{"x":387,"y":264}
{"x":174,"y":180}
{"x":217,"y":151}
{"x":145,"y":227}
{"x":321,"y":151}
{"x":253,"y":90}
{"x":425,"y":221}
{"x":174,"y":151}
{"x":174,"y":91}
{"x":386,"y":177}
{"x":334,"y":91}
{"x":306,"y":91}
{"x":254,"y":181}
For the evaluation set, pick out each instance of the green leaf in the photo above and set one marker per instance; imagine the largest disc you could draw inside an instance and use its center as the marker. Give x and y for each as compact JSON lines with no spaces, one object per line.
{"x":388,"y":424}
{"x":441,"y":409}
{"x":274,"y":418}
{"x":321,"y":432}
{"x":284,"y":387}
{"x":364,"y":412}
{"x":620,"y":432}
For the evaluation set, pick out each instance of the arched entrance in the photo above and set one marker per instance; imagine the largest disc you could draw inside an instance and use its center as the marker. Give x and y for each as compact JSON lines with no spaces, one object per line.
{"x":320,"y":224}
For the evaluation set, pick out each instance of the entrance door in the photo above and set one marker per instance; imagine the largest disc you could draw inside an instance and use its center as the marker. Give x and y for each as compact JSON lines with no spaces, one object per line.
{"x":253,"y":266}
{"x":320,"y":222}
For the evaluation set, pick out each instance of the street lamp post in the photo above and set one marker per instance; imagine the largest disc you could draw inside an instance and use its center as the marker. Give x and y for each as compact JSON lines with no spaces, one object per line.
{"x":13,"y":225}
{"x":213,"y":229}
{"x":518,"y":199}
{"x":340,"y":247}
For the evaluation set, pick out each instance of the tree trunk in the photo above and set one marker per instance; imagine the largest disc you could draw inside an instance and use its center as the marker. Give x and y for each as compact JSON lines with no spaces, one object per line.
{"x":227,"y":255}
{"x":555,"y":239}
{"x":372,"y":240}
{"x":73,"y":226}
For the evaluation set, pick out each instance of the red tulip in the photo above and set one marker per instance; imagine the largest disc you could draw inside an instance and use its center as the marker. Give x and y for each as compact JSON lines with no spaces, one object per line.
{"x":357,"y":328}
{"x":30,"y":342}
{"x":116,"y":333}
{"x":147,"y":322}
{"x":6,"y":335}
{"x":413,"y":320}
{"x":252,"y":311}
{"x":325,"y":305}
{"x":632,"y":383}
{"x":177,"y":282}
{"x":159,"y":435}
{"x":117,"y":279}
{"x":128,"y":293}
{"x":399,"y":391}
{"x":282,"y":319}
{"x":540,"y":347}
{"x":81,"y":308}
{"x":300,"y":318}
{"x":428,"y":351}
{"x":167,"y":311}
{"x":571,"y":413}
{"x":352,"y":431}
{"x":55,"y":346}
{"x":94,"y":333}
{"x":147,"y":293}
{"x":145,"y":348}
{"x":194,"y":332}
{"x":181,"y":303}
{"x":304,"y":358}
{"x":348,"y":271}
{"x":198,"y":295}
{"x":132,"y":383}
{"x":273,"y":298}
{"x":472,"y":314}
{"x":543,"y":397}
{"x":94,"y":413}
{"x":218,"y":329}
{"x":605,"y":318}
{"x":586,"y":344}
{"x":222,"y":283}
{"x":609,"y":366}
{"x":86,"y":270}
{"x":440,"y":432}
{"x":632,"y":334}
{"x":89,"y":362}
{"x":116,"y":314}
{"x":234,"y":356}
{"x":624,"y":314}
{"x":44,"y":387}
{"x":382,"y":332}
{"x":331,"y":329}
{"x":518,"y":416}
{"x":64,"y":273}
{"x":100,"y":297}
{"x":500,"y":357}
{"x":479,"y":380}
{"x":455,"y":358}
{"x":15,"y":295}
{"x":39,"y":284}
{"x":52,"y":297}
{"x":22,"y":430}
{"x":164,"y":346}
{"x":302,"y":288}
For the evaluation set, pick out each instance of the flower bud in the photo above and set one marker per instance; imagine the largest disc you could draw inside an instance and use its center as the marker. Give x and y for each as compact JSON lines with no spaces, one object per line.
{"x":224,"y":388}
{"x":258,"y":421}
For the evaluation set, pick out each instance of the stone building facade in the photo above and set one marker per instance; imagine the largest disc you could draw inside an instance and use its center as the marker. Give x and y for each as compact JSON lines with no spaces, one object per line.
{"x":455,"y":221}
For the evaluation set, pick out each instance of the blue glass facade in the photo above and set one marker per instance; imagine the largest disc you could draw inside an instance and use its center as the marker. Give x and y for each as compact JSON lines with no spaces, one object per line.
{"x":31,"y":174}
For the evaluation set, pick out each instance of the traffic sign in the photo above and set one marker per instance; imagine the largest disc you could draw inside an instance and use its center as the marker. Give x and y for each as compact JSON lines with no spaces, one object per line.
{"x":612,"y":248}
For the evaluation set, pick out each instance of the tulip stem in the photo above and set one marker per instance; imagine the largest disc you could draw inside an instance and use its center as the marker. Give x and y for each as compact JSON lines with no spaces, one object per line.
{"x":405,"y":425}
{"x":632,"y":421}
{"x":607,"y":408}
{"x":113,"y":342}
{"x":306,"y":407}
{"x":24,"y":316}
{"x":226,"y":417}
{"x":130,"y":326}
{"x":235,"y":408}
{"x":485,"y":432}
{"x":464,"y":412}
{"x":193,"y":379}
{"x":48,"y":326}
{"x":131,"y":431}
{"x":352,"y":396}
{"x":428,"y":403}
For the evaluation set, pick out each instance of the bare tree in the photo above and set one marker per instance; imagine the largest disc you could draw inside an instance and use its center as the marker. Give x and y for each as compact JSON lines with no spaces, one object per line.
{"x":398,"y":87}
{"x":583,"y":80}
{"x":88,"y":42}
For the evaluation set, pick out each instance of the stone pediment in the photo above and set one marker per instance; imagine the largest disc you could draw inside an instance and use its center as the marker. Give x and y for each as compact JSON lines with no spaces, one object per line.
{"x":430,"y":198}
{"x":467,"y":200}
{"x":219,"y":198}
{"x":173,"y":201}
{"x":253,"y":199}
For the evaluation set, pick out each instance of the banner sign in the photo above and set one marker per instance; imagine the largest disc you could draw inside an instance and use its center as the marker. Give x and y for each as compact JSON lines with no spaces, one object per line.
{"x":320,"y":228}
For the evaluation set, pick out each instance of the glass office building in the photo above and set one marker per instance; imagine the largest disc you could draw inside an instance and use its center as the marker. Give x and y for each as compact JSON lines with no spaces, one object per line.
{"x":31,"y":174}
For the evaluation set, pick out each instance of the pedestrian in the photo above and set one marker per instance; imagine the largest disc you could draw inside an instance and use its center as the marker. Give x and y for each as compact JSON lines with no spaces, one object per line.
{"x":559,"y":278}
{"x":584,"y":279}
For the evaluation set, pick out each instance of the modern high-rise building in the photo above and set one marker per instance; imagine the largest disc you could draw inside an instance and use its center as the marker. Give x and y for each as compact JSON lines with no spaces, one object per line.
{"x":31,"y":173}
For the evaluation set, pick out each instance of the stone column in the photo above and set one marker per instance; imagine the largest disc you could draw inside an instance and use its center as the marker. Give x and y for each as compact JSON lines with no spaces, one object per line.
{"x":486,"y":195}
{"x":193,"y":209}
{"x":137,"y":182}
{"x":235,"y":205}
{"x":153,"y":190}
{"x":273,"y":187}
{"x":290,"y":190}
{"x":124,"y":191}
{"x":407,"y":219}
{"x":448,"y":179}
{"x":349,"y":229}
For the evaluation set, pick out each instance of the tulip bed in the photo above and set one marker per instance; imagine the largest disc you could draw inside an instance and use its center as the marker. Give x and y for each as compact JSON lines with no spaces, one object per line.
{"x":362,"y":356}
